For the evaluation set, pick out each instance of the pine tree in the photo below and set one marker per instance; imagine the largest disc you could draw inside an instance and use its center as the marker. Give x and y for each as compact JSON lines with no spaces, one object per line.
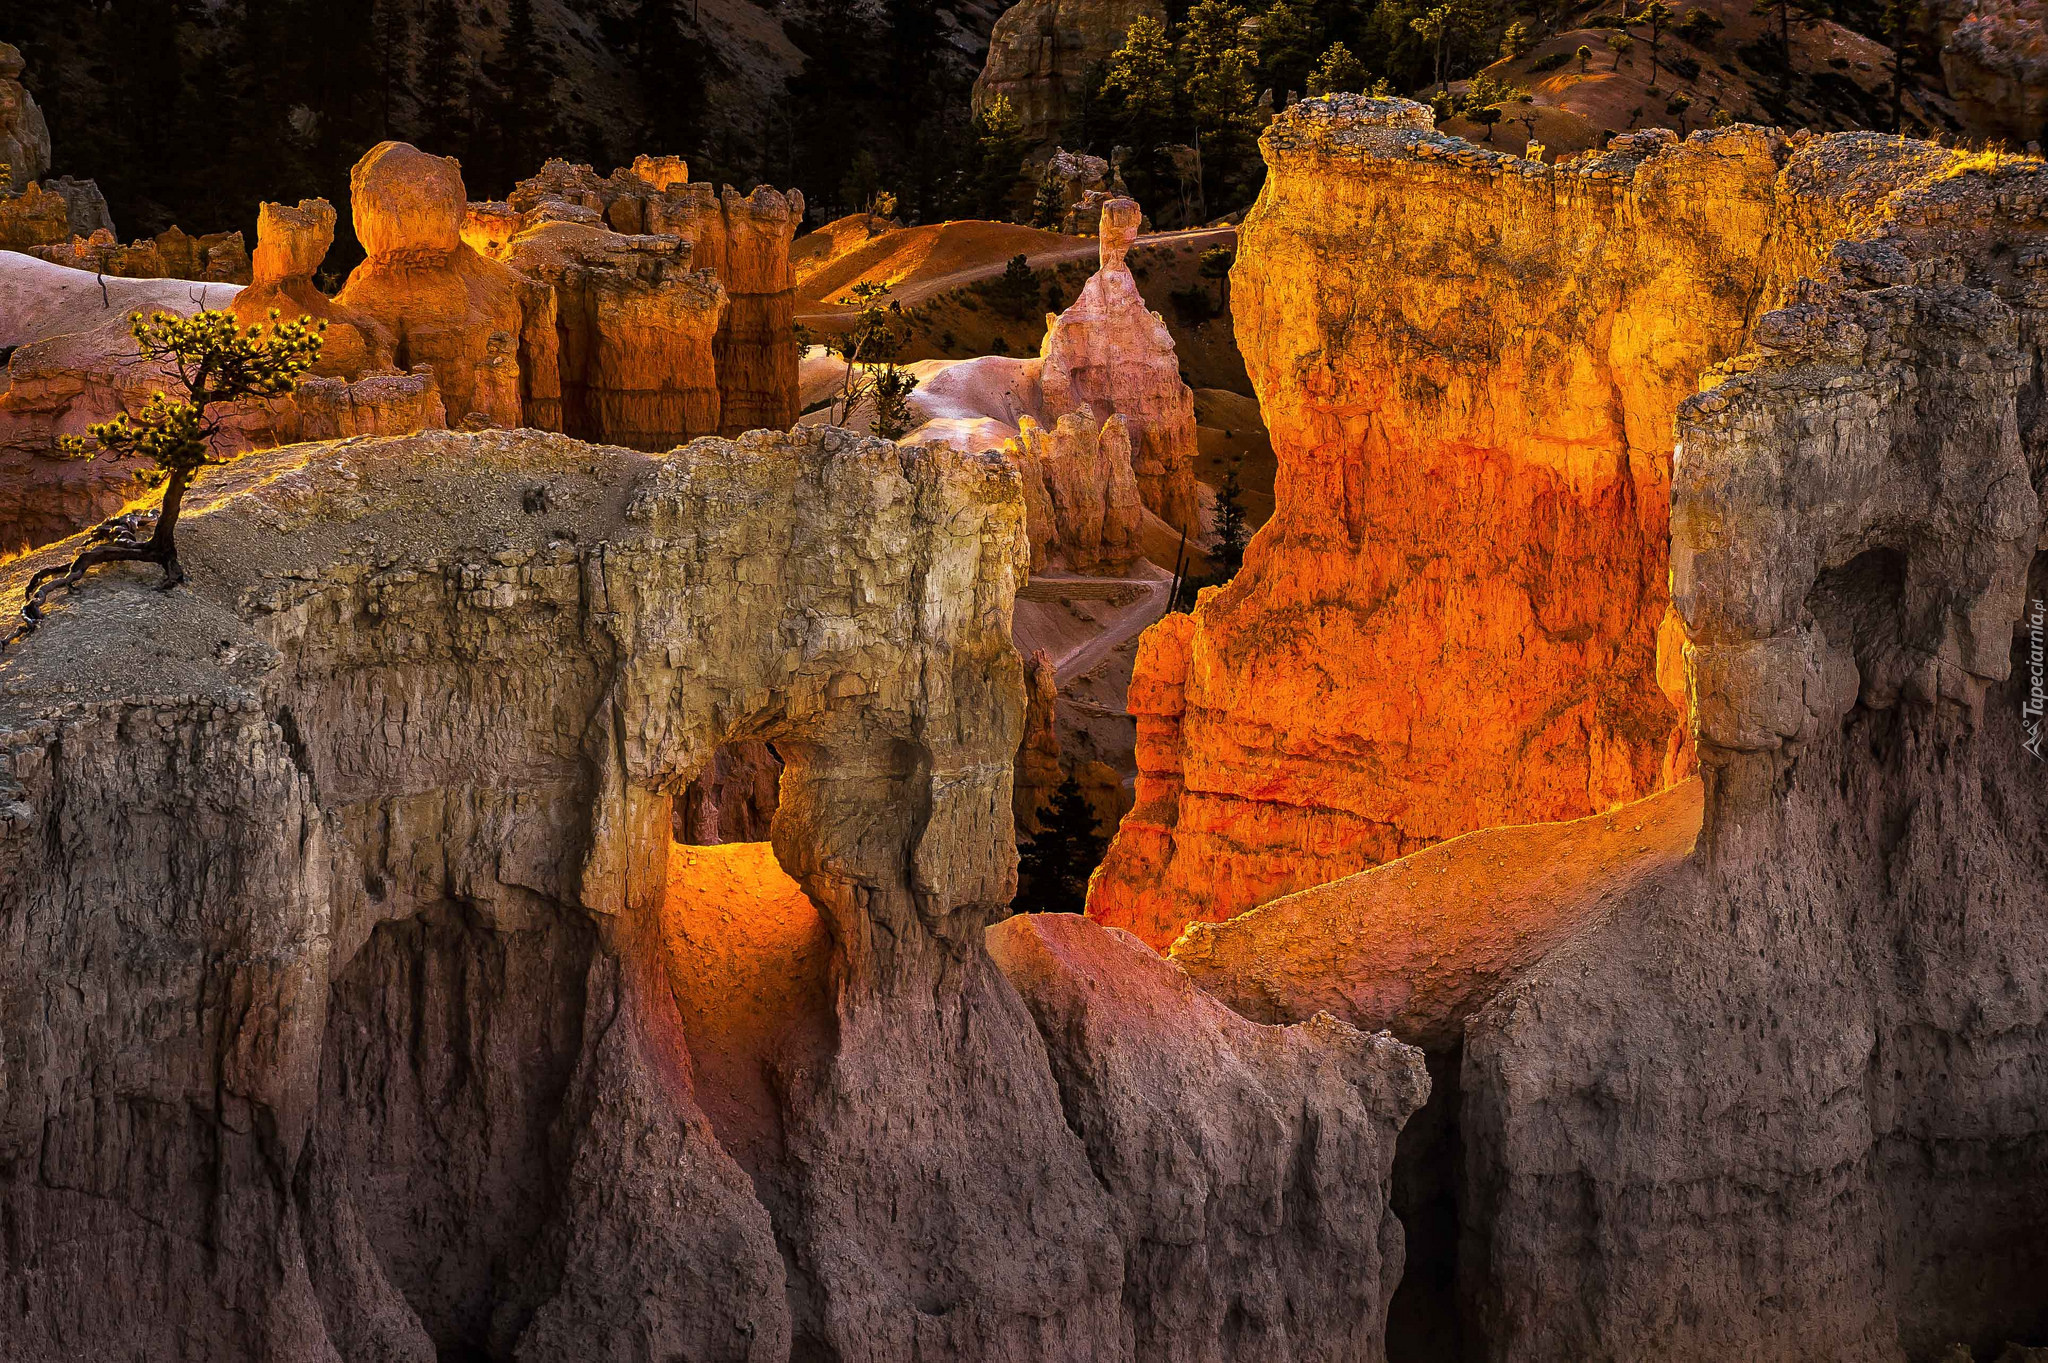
{"x":670,"y":64}
{"x":1048,"y":206}
{"x":525,"y":98}
{"x":391,"y":27}
{"x":1053,"y":865}
{"x":1290,"y":36}
{"x":1139,"y":84}
{"x":214,"y":362}
{"x":1337,"y":72}
{"x":1233,"y":526}
{"x":1217,"y":59}
{"x":999,"y":133}
{"x":1656,"y":14}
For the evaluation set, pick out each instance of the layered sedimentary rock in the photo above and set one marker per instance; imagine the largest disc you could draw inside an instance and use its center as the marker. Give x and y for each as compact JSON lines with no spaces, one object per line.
{"x":1247,"y":1165}
{"x":733,"y":799}
{"x":1837,"y":1123}
{"x":742,"y":239}
{"x":638,"y":331}
{"x":1080,"y":495}
{"x":1779,"y":1097}
{"x":1043,"y":53}
{"x":34,"y":211}
{"x":1110,"y":355}
{"x":383,"y":981}
{"x":1469,"y":364}
{"x":217,"y":257}
{"x":74,"y":362}
{"x":487,"y":331}
{"x":1418,"y":945}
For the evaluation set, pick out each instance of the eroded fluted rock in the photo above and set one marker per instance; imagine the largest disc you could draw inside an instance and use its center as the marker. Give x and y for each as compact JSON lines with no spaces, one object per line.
{"x":1038,"y":756}
{"x":1470,"y":365}
{"x":1110,"y":355}
{"x":742,"y":239}
{"x":638,"y":332}
{"x":290,"y":244}
{"x":1776,"y":1099}
{"x":1418,"y":945}
{"x":35,"y":211}
{"x":24,"y":134}
{"x":381,"y":977}
{"x":487,"y":332}
{"x":1081,"y":496}
{"x":1994,"y":61}
{"x":1043,"y":53}
{"x":1247,"y":1165}
{"x":216,"y":257}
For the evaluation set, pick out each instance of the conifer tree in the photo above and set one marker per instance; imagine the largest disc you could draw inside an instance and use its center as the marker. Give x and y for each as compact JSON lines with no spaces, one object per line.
{"x":999,"y":133}
{"x":1053,"y":865}
{"x":526,"y":95}
{"x":1337,"y":72}
{"x":1290,"y":36}
{"x":1233,"y":526}
{"x":213,"y":362}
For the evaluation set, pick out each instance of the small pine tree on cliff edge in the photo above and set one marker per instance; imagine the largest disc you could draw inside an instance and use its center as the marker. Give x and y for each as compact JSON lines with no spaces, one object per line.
{"x":214,"y":361}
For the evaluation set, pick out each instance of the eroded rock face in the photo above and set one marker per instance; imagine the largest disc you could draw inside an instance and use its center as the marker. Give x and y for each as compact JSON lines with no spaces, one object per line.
{"x":290,"y":244}
{"x":1994,"y":61}
{"x":24,"y":134}
{"x":1779,"y":1098}
{"x":1038,"y":755}
{"x":34,"y":211}
{"x":1042,"y":53}
{"x":425,"y":705}
{"x":1471,"y":404}
{"x":216,"y":257}
{"x":1080,"y":496}
{"x":81,"y":366}
{"x":638,"y":332}
{"x":1418,"y":945}
{"x":1110,"y":355}
{"x":487,"y":332}
{"x":1836,"y":1117}
{"x":741,"y":239}
{"x":1247,"y":1165}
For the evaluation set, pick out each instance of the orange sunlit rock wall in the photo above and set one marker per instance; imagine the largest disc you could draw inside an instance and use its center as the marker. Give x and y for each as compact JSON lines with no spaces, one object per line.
{"x":1470,"y":365}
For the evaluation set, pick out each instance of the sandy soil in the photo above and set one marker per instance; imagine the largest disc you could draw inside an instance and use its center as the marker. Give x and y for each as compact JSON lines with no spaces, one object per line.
{"x":39,"y":299}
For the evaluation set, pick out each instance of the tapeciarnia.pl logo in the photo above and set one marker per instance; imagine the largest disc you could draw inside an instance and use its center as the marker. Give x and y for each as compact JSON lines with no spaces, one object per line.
{"x":2036,"y":704}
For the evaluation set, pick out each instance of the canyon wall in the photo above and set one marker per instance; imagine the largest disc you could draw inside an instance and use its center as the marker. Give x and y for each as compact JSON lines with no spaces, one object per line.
{"x":1793,"y":1104}
{"x":1469,"y":364}
{"x":1748,"y":1069}
{"x":345,"y":1020}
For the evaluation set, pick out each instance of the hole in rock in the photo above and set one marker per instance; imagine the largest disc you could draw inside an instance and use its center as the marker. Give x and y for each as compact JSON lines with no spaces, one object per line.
{"x":749,"y":960}
{"x":733,"y":798}
{"x":1861,"y":605}
{"x":1423,"y":1324}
